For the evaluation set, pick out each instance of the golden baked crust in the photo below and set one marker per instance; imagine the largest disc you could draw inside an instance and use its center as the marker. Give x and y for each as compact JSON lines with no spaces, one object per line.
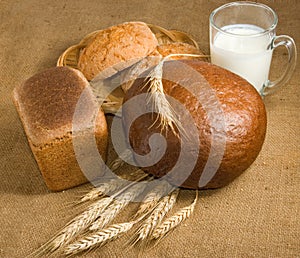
{"x":125,"y":42}
{"x":46,"y":104}
{"x":244,"y":117}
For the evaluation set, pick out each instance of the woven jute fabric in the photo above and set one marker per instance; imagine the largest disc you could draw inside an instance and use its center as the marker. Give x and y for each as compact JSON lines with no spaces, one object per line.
{"x":258,"y":215}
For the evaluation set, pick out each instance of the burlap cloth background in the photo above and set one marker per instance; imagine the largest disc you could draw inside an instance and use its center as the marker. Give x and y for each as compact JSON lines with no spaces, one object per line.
{"x":258,"y":215}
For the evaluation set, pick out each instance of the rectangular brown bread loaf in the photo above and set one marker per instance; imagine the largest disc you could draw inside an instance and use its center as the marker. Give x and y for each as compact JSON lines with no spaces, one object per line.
{"x":46,"y":103}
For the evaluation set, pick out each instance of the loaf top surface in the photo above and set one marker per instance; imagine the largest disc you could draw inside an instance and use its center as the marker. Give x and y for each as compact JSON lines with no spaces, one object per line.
{"x":124,"y":42}
{"x":46,"y":103}
{"x":221,"y":104}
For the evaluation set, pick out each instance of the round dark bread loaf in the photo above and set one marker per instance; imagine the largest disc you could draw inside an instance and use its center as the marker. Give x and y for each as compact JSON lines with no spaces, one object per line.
{"x":239,"y":119}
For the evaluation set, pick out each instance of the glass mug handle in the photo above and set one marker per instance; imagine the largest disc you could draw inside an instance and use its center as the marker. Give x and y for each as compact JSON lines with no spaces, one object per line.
{"x":288,"y":42}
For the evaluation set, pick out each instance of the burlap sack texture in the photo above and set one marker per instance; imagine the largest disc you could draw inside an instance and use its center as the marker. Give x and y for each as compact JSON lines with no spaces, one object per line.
{"x":256,"y":216}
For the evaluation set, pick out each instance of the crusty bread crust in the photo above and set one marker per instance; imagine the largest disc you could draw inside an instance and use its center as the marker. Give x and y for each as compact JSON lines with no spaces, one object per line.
{"x":46,"y":103}
{"x":124,"y":43}
{"x":243,"y":112}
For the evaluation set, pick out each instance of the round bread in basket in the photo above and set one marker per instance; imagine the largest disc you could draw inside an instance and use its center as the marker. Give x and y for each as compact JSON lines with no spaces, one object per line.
{"x":70,"y":56}
{"x":163,"y":42}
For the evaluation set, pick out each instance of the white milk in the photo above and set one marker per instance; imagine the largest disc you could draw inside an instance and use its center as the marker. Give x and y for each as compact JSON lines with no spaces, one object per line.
{"x":246,"y":55}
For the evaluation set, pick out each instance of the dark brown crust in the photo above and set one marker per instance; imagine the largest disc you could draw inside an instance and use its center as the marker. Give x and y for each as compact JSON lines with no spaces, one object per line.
{"x":245,"y":123}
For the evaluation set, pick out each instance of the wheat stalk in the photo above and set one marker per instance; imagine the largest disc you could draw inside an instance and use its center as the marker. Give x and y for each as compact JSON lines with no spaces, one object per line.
{"x":162,"y":208}
{"x":136,"y":70}
{"x":172,"y":222}
{"x":120,"y":203}
{"x":152,"y":197}
{"x":98,"y":238}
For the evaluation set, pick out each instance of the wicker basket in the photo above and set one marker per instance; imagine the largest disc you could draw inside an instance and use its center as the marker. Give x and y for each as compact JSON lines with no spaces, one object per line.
{"x":114,"y":101}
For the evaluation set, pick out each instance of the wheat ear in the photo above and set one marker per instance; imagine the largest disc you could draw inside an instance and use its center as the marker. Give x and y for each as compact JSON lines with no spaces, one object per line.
{"x":103,"y":189}
{"x":162,"y":208}
{"x":120,"y":203}
{"x":167,"y":117}
{"x":98,"y":238}
{"x":152,"y":197}
{"x":171,"y":223}
{"x":74,"y":227}
{"x":80,"y":223}
{"x":112,"y":184}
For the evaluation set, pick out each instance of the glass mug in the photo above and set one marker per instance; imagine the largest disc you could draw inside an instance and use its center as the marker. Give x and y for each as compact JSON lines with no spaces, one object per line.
{"x":242,"y":40}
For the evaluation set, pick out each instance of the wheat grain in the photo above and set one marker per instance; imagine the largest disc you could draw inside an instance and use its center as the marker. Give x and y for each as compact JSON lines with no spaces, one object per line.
{"x":103,"y":189}
{"x":99,"y":238}
{"x":80,"y":223}
{"x":152,"y":197}
{"x":112,"y":184}
{"x":74,"y":227}
{"x":167,"y":117}
{"x":172,"y":222}
{"x":120,"y":203}
{"x":162,"y":208}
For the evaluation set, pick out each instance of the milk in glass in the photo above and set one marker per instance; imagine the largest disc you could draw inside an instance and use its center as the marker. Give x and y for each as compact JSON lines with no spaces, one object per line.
{"x":250,"y":57}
